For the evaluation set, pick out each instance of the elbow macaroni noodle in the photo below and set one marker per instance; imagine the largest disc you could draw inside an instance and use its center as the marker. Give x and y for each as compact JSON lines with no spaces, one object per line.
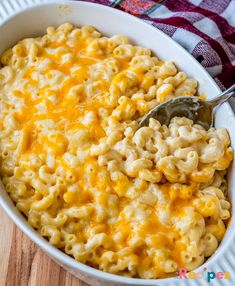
{"x":134,"y":202}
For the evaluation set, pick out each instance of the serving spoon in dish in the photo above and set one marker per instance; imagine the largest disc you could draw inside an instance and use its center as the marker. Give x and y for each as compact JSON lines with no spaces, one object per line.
{"x":192,"y":107}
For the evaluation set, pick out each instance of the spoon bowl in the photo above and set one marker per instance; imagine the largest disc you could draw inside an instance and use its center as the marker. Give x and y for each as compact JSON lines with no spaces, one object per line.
{"x":192,"y":107}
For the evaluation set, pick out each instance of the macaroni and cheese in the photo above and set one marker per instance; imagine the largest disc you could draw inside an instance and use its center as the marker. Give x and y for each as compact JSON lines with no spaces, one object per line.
{"x":139,"y":202}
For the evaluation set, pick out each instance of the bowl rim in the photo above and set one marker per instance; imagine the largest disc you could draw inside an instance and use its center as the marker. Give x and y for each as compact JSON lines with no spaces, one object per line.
{"x":20,"y":220}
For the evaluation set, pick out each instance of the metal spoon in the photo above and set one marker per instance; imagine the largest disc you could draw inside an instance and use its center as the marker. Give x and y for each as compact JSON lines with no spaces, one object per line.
{"x":194,"y":108}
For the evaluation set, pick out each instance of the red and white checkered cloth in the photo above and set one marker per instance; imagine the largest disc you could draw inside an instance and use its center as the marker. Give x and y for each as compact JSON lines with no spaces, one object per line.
{"x":205,"y":28}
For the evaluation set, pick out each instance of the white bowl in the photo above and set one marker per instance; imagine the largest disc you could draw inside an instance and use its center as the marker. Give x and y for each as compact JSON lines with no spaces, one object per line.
{"x":33,"y":21}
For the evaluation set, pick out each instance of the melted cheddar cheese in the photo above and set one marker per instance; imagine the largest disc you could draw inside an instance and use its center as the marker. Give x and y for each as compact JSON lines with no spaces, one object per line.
{"x":133,"y":202}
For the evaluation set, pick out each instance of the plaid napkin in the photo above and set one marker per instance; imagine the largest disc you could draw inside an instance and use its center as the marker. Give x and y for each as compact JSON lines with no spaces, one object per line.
{"x":205,"y":28}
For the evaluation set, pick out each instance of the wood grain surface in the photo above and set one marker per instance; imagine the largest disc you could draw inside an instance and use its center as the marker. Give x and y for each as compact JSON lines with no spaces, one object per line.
{"x":22,"y":263}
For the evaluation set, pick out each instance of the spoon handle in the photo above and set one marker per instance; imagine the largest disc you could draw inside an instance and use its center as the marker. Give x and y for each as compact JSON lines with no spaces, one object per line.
{"x":224,"y":96}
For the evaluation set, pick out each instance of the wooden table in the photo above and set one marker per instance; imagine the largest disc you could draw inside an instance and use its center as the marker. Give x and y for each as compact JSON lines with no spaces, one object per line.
{"x":22,"y":263}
